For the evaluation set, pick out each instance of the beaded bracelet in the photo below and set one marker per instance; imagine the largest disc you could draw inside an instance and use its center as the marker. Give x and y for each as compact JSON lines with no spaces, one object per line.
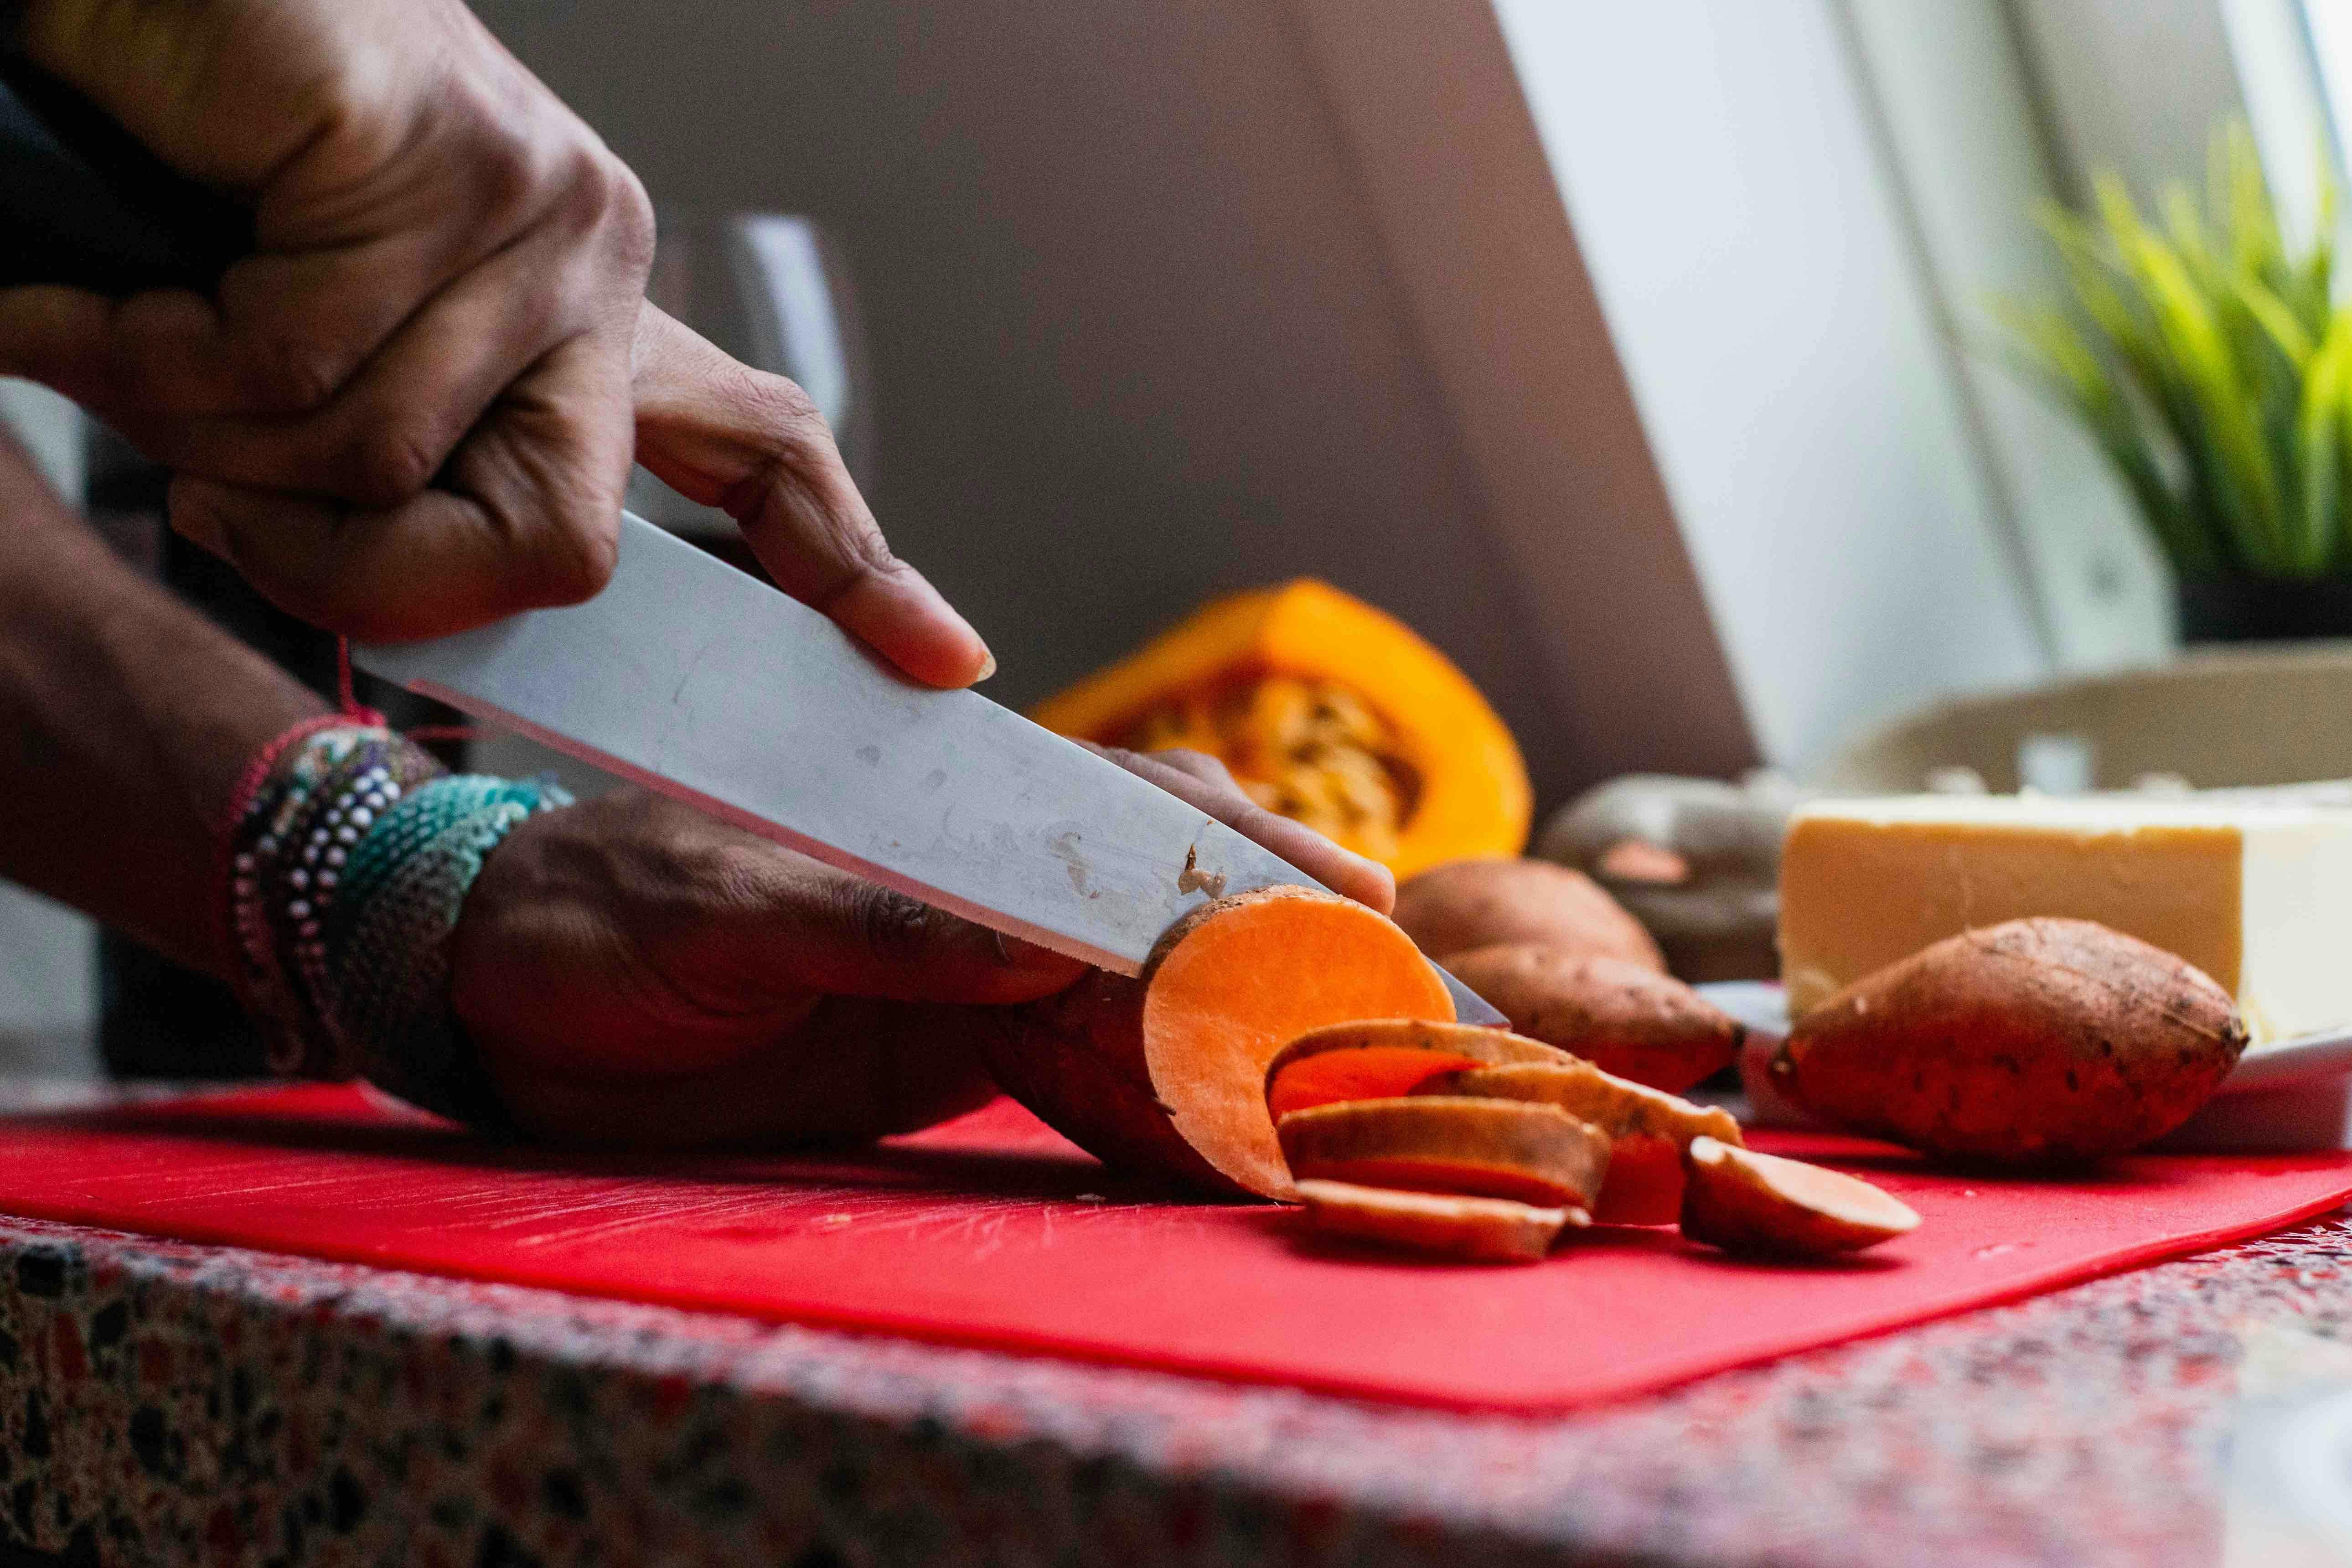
{"x":349,"y":859}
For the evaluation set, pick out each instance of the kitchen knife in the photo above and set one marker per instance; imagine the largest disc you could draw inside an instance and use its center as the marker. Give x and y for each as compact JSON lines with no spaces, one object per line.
{"x":699,"y":681}
{"x":704,"y":684}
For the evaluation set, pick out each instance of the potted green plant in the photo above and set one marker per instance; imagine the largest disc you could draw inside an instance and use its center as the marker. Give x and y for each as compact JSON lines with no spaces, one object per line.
{"x":2213,"y":366}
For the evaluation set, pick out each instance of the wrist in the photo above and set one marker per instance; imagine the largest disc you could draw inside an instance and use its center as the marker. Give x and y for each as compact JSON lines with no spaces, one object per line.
{"x":344,"y":870}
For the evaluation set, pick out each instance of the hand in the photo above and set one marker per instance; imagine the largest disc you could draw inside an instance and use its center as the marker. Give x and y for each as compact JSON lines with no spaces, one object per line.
{"x":409,"y":411}
{"x":636,"y":973}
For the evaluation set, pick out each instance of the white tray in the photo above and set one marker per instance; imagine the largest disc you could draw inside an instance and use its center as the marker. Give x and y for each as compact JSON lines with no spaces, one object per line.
{"x":2293,"y":1094}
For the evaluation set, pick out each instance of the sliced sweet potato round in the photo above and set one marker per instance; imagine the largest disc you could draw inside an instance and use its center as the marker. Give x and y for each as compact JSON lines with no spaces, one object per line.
{"x":1378,"y":1059}
{"x":1433,"y":1143}
{"x":1624,"y":1017}
{"x":1482,"y":1230}
{"x":1166,"y":1073}
{"x":1648,"y":1128}
{"x":1742,"y":1201}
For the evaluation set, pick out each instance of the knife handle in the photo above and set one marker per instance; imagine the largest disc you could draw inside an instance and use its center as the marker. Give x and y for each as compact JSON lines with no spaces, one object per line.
{"x":83,"y":202}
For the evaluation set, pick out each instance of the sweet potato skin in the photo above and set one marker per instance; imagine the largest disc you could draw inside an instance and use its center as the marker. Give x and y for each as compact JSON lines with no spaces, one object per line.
{"x":2032,"y":1042}
{"x":1075,"y":1061}
{"x":1477,"y":1230}
{"x":1745,"y":1202}
{"x":1468,"y":904}
{"x":1621,"y":1016}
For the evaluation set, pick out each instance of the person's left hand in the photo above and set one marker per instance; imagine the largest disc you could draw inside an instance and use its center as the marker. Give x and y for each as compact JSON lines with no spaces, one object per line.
{"x":635,"y":973}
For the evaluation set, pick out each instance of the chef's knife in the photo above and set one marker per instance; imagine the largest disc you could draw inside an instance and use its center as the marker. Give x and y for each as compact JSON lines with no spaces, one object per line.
{"x":704,"y":684}
{"x":695,"y":679}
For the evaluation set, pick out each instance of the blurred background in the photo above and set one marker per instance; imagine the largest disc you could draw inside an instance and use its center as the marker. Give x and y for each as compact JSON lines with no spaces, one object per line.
{"x":1696,"y":376}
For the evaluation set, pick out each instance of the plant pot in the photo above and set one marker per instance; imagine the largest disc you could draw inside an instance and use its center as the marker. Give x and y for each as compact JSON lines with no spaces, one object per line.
{"x":2264,"y":609}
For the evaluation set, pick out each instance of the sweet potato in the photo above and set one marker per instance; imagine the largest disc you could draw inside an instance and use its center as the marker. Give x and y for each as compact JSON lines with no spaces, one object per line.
{"x":1622,"y":1018}
{"x":1468,"y":904}
{"x":2033,"y":1041}
{"x":1481,"y":1230}
{"x":1378,"y":1059}
{"x":1435,"y":1143}
{"x":1166,"y":1073}
{"x":1742,"y":1201}
{"x":1647,"y":1128}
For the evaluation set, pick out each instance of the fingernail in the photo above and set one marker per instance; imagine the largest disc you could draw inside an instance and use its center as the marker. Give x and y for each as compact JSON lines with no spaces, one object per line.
{"x":987,"y":667}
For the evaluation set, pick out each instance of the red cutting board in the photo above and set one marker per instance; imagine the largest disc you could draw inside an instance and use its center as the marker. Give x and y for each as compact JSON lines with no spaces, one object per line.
{"x":991,"y":1231}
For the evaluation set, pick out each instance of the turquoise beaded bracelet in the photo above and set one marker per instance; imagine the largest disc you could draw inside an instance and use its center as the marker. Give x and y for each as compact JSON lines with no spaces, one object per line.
{"x":350,"y":862}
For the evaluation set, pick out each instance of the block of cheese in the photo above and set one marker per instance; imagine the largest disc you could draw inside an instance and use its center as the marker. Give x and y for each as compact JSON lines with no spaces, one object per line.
{"x":2259,"y":896}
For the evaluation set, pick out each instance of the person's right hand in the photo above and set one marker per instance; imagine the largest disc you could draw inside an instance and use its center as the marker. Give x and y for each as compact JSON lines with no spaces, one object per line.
{"x":410,"y":411}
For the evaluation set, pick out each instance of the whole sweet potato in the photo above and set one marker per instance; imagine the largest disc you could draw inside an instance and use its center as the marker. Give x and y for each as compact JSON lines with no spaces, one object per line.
{"x":1464,"y":904}
{"x":1619,"y":1016}
{"x":2033,"y":1041}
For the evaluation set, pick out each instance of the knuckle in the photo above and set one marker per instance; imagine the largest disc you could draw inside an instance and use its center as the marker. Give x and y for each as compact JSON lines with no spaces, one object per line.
{"x":781,"y":403}
{"x":572,"y":560}
{"x":596,"y":194}
{"x":741,"y":877}
{"x":890,"y":925}
{"x":297,"y":371}
{"x":394,"y":460}
{"x":631,"y":223}
{"x":504,"y":172}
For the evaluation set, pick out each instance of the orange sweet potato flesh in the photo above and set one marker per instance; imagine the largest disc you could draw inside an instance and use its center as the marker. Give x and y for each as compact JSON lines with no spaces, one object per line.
{"x":1374,"y":1072}
{"x":1379,"y":1058}
{"x":1165,"y":1074}
{"x":1648,"y":1128}
{"x":1436,"y":1143}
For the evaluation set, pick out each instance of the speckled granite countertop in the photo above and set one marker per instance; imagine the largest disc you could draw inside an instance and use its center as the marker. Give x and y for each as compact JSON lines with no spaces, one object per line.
{"x":161,"y":1403}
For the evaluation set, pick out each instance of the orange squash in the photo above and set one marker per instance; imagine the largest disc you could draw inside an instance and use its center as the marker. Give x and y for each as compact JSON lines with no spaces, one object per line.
{"x":1326,"y":711}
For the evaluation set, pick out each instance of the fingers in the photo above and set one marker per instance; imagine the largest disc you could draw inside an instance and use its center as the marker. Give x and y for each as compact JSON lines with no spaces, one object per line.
{"x":1202,"y":781}
{"x":285,"y":336}
{"x":386,"y":432}
{"x":527,"y":515}
{"x":72,"y":341}
{"x":424,"y":367}
{"x":826,"y":930}
{"x":727,"y":435}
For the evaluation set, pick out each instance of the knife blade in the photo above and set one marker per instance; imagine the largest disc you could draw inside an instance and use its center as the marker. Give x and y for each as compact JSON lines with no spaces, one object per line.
{"x":703,"y":683}
{"x":699,"y":681}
